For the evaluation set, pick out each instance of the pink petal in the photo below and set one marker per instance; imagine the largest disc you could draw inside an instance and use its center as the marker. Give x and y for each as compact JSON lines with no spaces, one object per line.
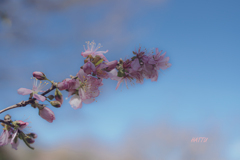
{"x":76,"y":102}
{"x":126,"y":83}
{"x":24,"y":91}
{"x":86,"y":53}
{"x":95,"y":93}
{"x":4,"y":138}
{"x":39,"y":97}
{"x":113,"y":75}
{"x":119,"y":82}
{"x":22,"y":124}
{"x":82,"y":94}
{"x":135,"y":64}
{"x":89,"y":67}
{"x":102,"y":66}
{"x":81,"y":75}
{"x":87,"y":101}
{"x":155,"y":78}
{"x":15,"y":145}
{"x":71,"y":91}
{"x":47,"y":114}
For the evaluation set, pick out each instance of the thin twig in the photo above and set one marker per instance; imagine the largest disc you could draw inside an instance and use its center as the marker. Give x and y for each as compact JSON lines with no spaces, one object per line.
{"x":31,"y":100}
{"x":7,"y":123}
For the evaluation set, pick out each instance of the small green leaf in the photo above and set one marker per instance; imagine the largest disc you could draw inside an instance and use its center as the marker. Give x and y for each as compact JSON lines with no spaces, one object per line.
{"x":100,"y":61}
{"x":24,"y":140}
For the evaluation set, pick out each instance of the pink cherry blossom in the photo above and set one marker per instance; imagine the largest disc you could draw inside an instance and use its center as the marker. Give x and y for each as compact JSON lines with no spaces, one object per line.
{"x":89,"y":68}
{"x":47,"y":114}
{"x":87,"y":91}
{"x":159,"y":61}
{"x":135,"y":65}
{"x":11,"y":136}
{"x":20,"y":126}
{"x":92,"y":50}
{"x":36,"y":88}
{"x":114,"y":76}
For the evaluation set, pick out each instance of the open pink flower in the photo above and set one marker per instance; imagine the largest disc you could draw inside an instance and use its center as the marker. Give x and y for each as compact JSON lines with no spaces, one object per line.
{"x":159,"y":61}
{"x":11,"y":136}
{"x":114,"y":76}
{"x":36,"y":88}
{"x":20,"y":126}
{"x":87,"y":91}
{"x":92,"y":50}
{"x":98,"y":70}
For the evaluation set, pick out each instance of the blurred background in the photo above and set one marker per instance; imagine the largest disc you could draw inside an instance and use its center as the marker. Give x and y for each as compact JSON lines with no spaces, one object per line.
{"x":198,"y":96}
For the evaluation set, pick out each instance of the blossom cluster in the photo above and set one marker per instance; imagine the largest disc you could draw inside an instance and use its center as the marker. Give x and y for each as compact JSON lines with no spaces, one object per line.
{"x":12,"y":135}
{"x":84,"y":87}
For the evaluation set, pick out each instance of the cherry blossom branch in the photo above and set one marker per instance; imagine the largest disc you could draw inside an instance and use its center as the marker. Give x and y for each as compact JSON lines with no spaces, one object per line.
{"x":82,"y":88}
{"x":31,"y":100}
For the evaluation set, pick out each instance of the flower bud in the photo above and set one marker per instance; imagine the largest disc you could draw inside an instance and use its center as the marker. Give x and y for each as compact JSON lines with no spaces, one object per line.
{"x":39,"y":75}
{"x":7,"y":118}
{"x":29,"y":140}
{"x":20,"y":124}
{"x":58,"y":96}
{"x":32,"y":135}
{"x":111,"y":65}
{"x":56,"y":104}
{"x":47,"y":114}
{"x":51,"y":97}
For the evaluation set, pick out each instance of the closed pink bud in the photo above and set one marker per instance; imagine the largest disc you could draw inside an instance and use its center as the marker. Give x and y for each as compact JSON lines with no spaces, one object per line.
{"x":111,"y":65}
{"x":29,"y":140}
{"x":32,"y":135}
{"x":20,"y":124}
{"x":47,"y":114}
{"x":39,"y":75}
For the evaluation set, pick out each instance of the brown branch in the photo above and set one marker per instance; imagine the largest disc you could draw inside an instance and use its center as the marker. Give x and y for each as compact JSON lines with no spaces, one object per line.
{"x":31,"y":100}
{"x":7,"y":123}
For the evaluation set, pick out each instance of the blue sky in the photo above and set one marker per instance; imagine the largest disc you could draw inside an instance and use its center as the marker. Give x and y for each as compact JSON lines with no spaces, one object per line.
{"x":199,"y":92}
